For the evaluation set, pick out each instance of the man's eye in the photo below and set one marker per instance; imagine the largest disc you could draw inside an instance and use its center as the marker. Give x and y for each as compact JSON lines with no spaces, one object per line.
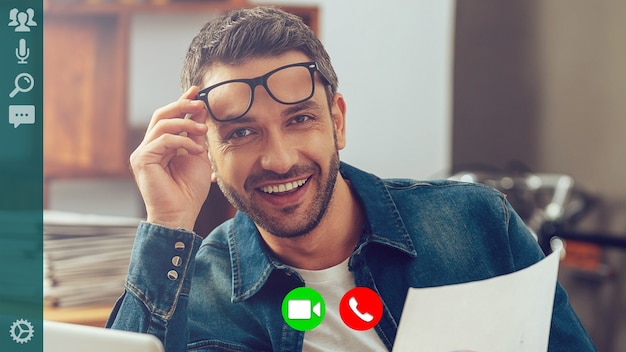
{"x":300,"y":119}
{"x":240,"y":133}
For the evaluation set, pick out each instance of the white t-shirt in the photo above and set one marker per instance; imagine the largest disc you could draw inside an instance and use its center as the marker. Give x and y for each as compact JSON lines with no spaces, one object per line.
{"x":332,"y":334}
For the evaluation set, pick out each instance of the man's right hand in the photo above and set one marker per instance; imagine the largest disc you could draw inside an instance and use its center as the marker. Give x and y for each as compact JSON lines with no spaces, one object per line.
{"x":171,"y":165}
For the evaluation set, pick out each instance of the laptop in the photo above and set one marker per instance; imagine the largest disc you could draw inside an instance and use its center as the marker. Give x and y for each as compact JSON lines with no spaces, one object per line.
{"x":64,"y":337}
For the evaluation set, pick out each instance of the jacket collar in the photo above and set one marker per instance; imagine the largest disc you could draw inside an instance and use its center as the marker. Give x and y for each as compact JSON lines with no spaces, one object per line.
{"x":252,"y":262}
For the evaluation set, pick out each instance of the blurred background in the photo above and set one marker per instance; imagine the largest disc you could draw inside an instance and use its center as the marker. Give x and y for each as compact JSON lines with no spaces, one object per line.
{"x":503,"y":90}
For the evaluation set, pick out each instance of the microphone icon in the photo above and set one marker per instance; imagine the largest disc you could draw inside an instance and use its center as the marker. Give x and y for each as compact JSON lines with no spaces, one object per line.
{"x":22,"y":52}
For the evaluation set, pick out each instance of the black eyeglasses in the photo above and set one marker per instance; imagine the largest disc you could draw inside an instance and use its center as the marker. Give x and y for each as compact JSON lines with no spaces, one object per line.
{"x":290,"y":84}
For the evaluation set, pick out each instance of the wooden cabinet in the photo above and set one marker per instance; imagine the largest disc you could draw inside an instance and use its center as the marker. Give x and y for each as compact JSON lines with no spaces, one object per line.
{"x":84,"y":95}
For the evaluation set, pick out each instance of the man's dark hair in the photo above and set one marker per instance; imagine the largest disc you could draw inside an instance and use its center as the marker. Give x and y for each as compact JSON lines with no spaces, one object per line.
{"x":259,"y":32}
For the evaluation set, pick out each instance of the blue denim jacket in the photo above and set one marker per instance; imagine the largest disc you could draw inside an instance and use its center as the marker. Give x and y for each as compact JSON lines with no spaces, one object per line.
{"x":225,"y":293}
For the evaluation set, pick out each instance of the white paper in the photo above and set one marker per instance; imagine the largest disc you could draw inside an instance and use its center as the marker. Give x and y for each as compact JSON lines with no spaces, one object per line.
{"x":69,"y":219}
{"x":506,"y":313}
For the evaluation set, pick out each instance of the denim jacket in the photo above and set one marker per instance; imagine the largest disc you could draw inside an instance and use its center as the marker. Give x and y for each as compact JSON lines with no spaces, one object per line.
{"x":224,"y":293}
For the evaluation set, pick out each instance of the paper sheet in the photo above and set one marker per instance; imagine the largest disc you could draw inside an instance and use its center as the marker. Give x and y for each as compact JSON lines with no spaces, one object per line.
{"x":506,"y":313}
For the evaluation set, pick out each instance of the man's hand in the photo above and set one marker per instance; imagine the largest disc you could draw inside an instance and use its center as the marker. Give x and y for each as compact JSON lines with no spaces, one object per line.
{"x":171,"y":165}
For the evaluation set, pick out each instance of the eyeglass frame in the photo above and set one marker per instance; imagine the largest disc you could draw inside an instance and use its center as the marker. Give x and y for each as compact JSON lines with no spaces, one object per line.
{"x":262,"y":81}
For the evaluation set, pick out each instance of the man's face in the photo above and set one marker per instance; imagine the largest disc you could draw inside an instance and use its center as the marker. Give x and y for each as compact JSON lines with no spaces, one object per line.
{"x":278,"y":163}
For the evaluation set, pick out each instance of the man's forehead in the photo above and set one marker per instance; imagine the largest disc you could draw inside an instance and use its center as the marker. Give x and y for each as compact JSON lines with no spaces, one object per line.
{"x":250,"y":68}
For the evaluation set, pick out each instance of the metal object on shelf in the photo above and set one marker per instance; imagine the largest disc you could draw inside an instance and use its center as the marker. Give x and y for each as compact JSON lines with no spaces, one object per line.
{"x":538,"y":198}
{"x":550,"y":205}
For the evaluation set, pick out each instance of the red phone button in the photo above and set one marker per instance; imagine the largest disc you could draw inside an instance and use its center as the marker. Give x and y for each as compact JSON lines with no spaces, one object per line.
{"x":361,"y":308}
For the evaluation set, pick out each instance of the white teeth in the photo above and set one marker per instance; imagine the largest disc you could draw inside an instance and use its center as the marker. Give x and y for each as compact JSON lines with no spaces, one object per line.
{"x":284,"y":187}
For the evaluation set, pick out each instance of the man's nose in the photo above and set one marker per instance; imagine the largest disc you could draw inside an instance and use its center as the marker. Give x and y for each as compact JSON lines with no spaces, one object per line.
{"x":279,"y":153}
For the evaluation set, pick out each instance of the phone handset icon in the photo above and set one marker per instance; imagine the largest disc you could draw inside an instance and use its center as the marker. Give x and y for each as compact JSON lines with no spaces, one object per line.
{"x":365,"y":316}
{"x":361,"y":308}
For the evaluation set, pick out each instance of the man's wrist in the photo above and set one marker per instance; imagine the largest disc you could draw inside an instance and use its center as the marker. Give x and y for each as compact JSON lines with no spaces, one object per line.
{"x":174,"y":224}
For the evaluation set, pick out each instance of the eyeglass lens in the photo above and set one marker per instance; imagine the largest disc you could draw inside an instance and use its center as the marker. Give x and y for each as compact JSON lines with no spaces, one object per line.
{"x":288,"y":85}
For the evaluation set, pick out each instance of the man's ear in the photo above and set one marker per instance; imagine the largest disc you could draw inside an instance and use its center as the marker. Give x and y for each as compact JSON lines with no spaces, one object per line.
{"x":213,"y":173}
{"x":338,"y":115}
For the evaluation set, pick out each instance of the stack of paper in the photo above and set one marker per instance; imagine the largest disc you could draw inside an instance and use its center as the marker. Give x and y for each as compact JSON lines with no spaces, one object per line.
{"x":85,"y":257}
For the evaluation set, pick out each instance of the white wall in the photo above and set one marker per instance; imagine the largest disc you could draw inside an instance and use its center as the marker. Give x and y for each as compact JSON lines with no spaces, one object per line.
{"x":394,"y":61}
{"x":158,"y":44}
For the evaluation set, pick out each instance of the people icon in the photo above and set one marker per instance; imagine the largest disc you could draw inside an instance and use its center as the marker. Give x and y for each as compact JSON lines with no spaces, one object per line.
{"x":22,"y":21}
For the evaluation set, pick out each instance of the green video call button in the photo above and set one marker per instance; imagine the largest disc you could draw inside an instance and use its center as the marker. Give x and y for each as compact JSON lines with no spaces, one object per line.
{"x":303,"y":308}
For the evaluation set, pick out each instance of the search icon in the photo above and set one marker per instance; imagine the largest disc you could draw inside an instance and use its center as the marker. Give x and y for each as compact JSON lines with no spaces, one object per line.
{"x":22,"y":87}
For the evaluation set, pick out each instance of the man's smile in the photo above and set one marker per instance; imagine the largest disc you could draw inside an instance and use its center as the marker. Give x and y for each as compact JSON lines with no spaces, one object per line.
{"x":283,"y":195}
{"x":283,"y":187}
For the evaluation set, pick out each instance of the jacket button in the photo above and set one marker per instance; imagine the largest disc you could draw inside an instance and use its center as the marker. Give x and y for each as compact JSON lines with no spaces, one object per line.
{"x":179,"y":246}
{"x":172,"y":275}
{"x":177,"y":261}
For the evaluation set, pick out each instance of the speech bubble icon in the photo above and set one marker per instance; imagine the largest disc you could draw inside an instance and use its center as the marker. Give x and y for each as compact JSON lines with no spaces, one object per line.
{"x":21,"y":115}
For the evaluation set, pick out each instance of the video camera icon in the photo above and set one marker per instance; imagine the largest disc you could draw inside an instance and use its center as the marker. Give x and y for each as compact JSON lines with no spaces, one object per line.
{"x":299,"y":309}
{"x":303,"y":308}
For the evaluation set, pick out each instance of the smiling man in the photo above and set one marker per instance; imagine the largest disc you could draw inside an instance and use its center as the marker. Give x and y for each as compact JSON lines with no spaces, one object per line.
{"x":267,"y":124}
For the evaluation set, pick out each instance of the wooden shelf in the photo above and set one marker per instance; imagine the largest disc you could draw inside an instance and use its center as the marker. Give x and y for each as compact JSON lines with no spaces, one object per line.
{"x":93,"y":316}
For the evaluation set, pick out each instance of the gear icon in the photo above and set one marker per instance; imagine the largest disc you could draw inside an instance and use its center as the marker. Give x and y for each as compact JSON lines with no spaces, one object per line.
{"x":22,"y":331}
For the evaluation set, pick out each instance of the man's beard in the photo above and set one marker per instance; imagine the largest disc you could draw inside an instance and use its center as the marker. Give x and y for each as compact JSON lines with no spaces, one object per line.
{"x":285,"y":226}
